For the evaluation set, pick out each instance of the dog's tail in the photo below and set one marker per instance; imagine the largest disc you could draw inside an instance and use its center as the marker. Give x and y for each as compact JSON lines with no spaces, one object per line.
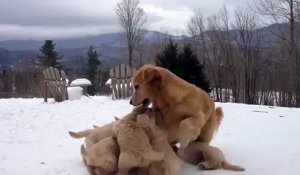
{"x":80,"y":134}
{"x":219,"y":116}
{"x":211,"y":126}
{"x":228,"y":166}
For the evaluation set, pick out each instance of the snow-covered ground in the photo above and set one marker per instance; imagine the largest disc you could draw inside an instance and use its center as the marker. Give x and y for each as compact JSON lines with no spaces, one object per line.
{"x":34,"y":139}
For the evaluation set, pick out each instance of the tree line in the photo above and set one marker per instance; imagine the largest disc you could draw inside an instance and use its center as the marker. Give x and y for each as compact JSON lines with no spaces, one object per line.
{"x":241,"y":66}
{"x":225,"y":55}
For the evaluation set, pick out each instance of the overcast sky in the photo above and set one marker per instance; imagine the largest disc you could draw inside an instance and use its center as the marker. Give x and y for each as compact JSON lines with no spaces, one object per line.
{"x":42,"y":19}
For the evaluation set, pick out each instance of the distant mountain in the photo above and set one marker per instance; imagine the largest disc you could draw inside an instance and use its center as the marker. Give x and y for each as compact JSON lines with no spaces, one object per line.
{"x":111,"y":46}
{"x":107,"y":39}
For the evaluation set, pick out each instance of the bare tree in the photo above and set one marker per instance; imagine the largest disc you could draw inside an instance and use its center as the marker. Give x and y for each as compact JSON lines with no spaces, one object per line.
{"x":131,"y":18}
{"x":286,"y":11}
{"x":248,"y":40}
{"x":211,"y":39}
{"x":140,"y":46}
{"x":196,"y":28}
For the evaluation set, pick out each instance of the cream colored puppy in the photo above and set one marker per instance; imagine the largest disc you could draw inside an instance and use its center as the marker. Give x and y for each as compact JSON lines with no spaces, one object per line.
{"x":93,"y":136}
{"x":102,"y":157}
{"x":135,"y":148}
{"x":206,"y":157}
{"x":98,"y":133}
{"x":171,"y":164}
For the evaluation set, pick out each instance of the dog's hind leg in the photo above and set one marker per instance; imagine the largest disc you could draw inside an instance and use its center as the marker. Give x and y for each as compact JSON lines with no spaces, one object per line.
{"x":209,"y":165}
{"x":189,"y":130}
{"x":211,"y":126}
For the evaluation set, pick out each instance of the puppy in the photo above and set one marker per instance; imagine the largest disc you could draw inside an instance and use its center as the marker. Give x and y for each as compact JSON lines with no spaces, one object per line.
{"x":189,"y":112}
{"x":206,"y":157}
{"x":101,"y":158}
{"x":171,"y":164}
{"x":93,"y":136}
{"x":135,"y":148}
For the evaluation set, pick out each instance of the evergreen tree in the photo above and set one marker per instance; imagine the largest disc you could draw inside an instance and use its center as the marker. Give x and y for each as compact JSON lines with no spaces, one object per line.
{"x":50,"y":57}
{"x":93,"y":71}
{"x":184,"y":64}
{"x":168,"y":57}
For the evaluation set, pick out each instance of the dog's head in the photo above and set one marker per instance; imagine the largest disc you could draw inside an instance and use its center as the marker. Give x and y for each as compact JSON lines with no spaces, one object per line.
{"x":146,"y":82}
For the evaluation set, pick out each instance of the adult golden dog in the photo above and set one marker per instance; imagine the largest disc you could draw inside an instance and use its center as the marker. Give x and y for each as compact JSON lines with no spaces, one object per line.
{"x":189,"y":112}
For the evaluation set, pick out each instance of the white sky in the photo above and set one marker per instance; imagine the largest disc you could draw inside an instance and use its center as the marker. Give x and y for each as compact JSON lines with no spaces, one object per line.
{"x":41,"y":19}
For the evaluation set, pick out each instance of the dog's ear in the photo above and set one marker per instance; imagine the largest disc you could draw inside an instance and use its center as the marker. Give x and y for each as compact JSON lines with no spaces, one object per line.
{"x":95,"y":126}
{"x":151,"y":74}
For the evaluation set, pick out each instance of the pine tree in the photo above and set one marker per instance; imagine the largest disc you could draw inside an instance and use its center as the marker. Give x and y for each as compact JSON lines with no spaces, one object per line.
{"x":50,"y":57}
{"x":93,"y":71}
{"x":184,"y":64}
{"x":168,"y":57}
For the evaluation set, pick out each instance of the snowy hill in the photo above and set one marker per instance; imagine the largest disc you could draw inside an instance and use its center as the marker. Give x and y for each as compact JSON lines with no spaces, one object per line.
{"x":34,"y":139}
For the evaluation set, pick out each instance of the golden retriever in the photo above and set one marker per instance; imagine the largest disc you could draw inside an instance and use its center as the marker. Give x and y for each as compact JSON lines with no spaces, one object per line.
{"x":135,"y":148}
{"x":189,"y":112}
{"x":95,"y":135}
{"x":171,"y":164}
{"x":98,"y":133}
{"x":206,"y":157}
{"x":102,"y":157}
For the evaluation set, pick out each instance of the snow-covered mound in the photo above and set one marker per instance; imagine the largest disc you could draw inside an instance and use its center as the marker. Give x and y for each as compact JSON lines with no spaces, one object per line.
{"x":81,"y":82}
{"x":34,"y":139}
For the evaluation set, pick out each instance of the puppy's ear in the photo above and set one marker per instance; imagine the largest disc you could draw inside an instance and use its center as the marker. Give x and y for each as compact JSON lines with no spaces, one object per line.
{"x":95,"y":126}
{"x":116,"y":118}
{"x":151,"y":74}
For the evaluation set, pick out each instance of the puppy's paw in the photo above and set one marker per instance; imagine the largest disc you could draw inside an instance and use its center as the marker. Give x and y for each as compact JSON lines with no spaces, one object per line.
{"x":202,"y":165}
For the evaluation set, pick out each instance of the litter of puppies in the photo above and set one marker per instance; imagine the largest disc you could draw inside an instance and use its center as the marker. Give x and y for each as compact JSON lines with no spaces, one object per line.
{"x":143,"y":141}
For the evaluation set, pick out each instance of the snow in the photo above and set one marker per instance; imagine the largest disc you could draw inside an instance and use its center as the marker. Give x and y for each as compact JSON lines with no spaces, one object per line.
{"x":108,"y":82}
{"x":34,"y":139}
{"x":74,"y":93}
{"x":81,"y":82}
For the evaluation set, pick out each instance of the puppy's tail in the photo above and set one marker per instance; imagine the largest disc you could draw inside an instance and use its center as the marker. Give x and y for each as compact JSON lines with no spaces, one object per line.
{"x":219,"y":116}
{"x":80,"y":134}
{"x":228,"y":166}
{"x":154,"y":156}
